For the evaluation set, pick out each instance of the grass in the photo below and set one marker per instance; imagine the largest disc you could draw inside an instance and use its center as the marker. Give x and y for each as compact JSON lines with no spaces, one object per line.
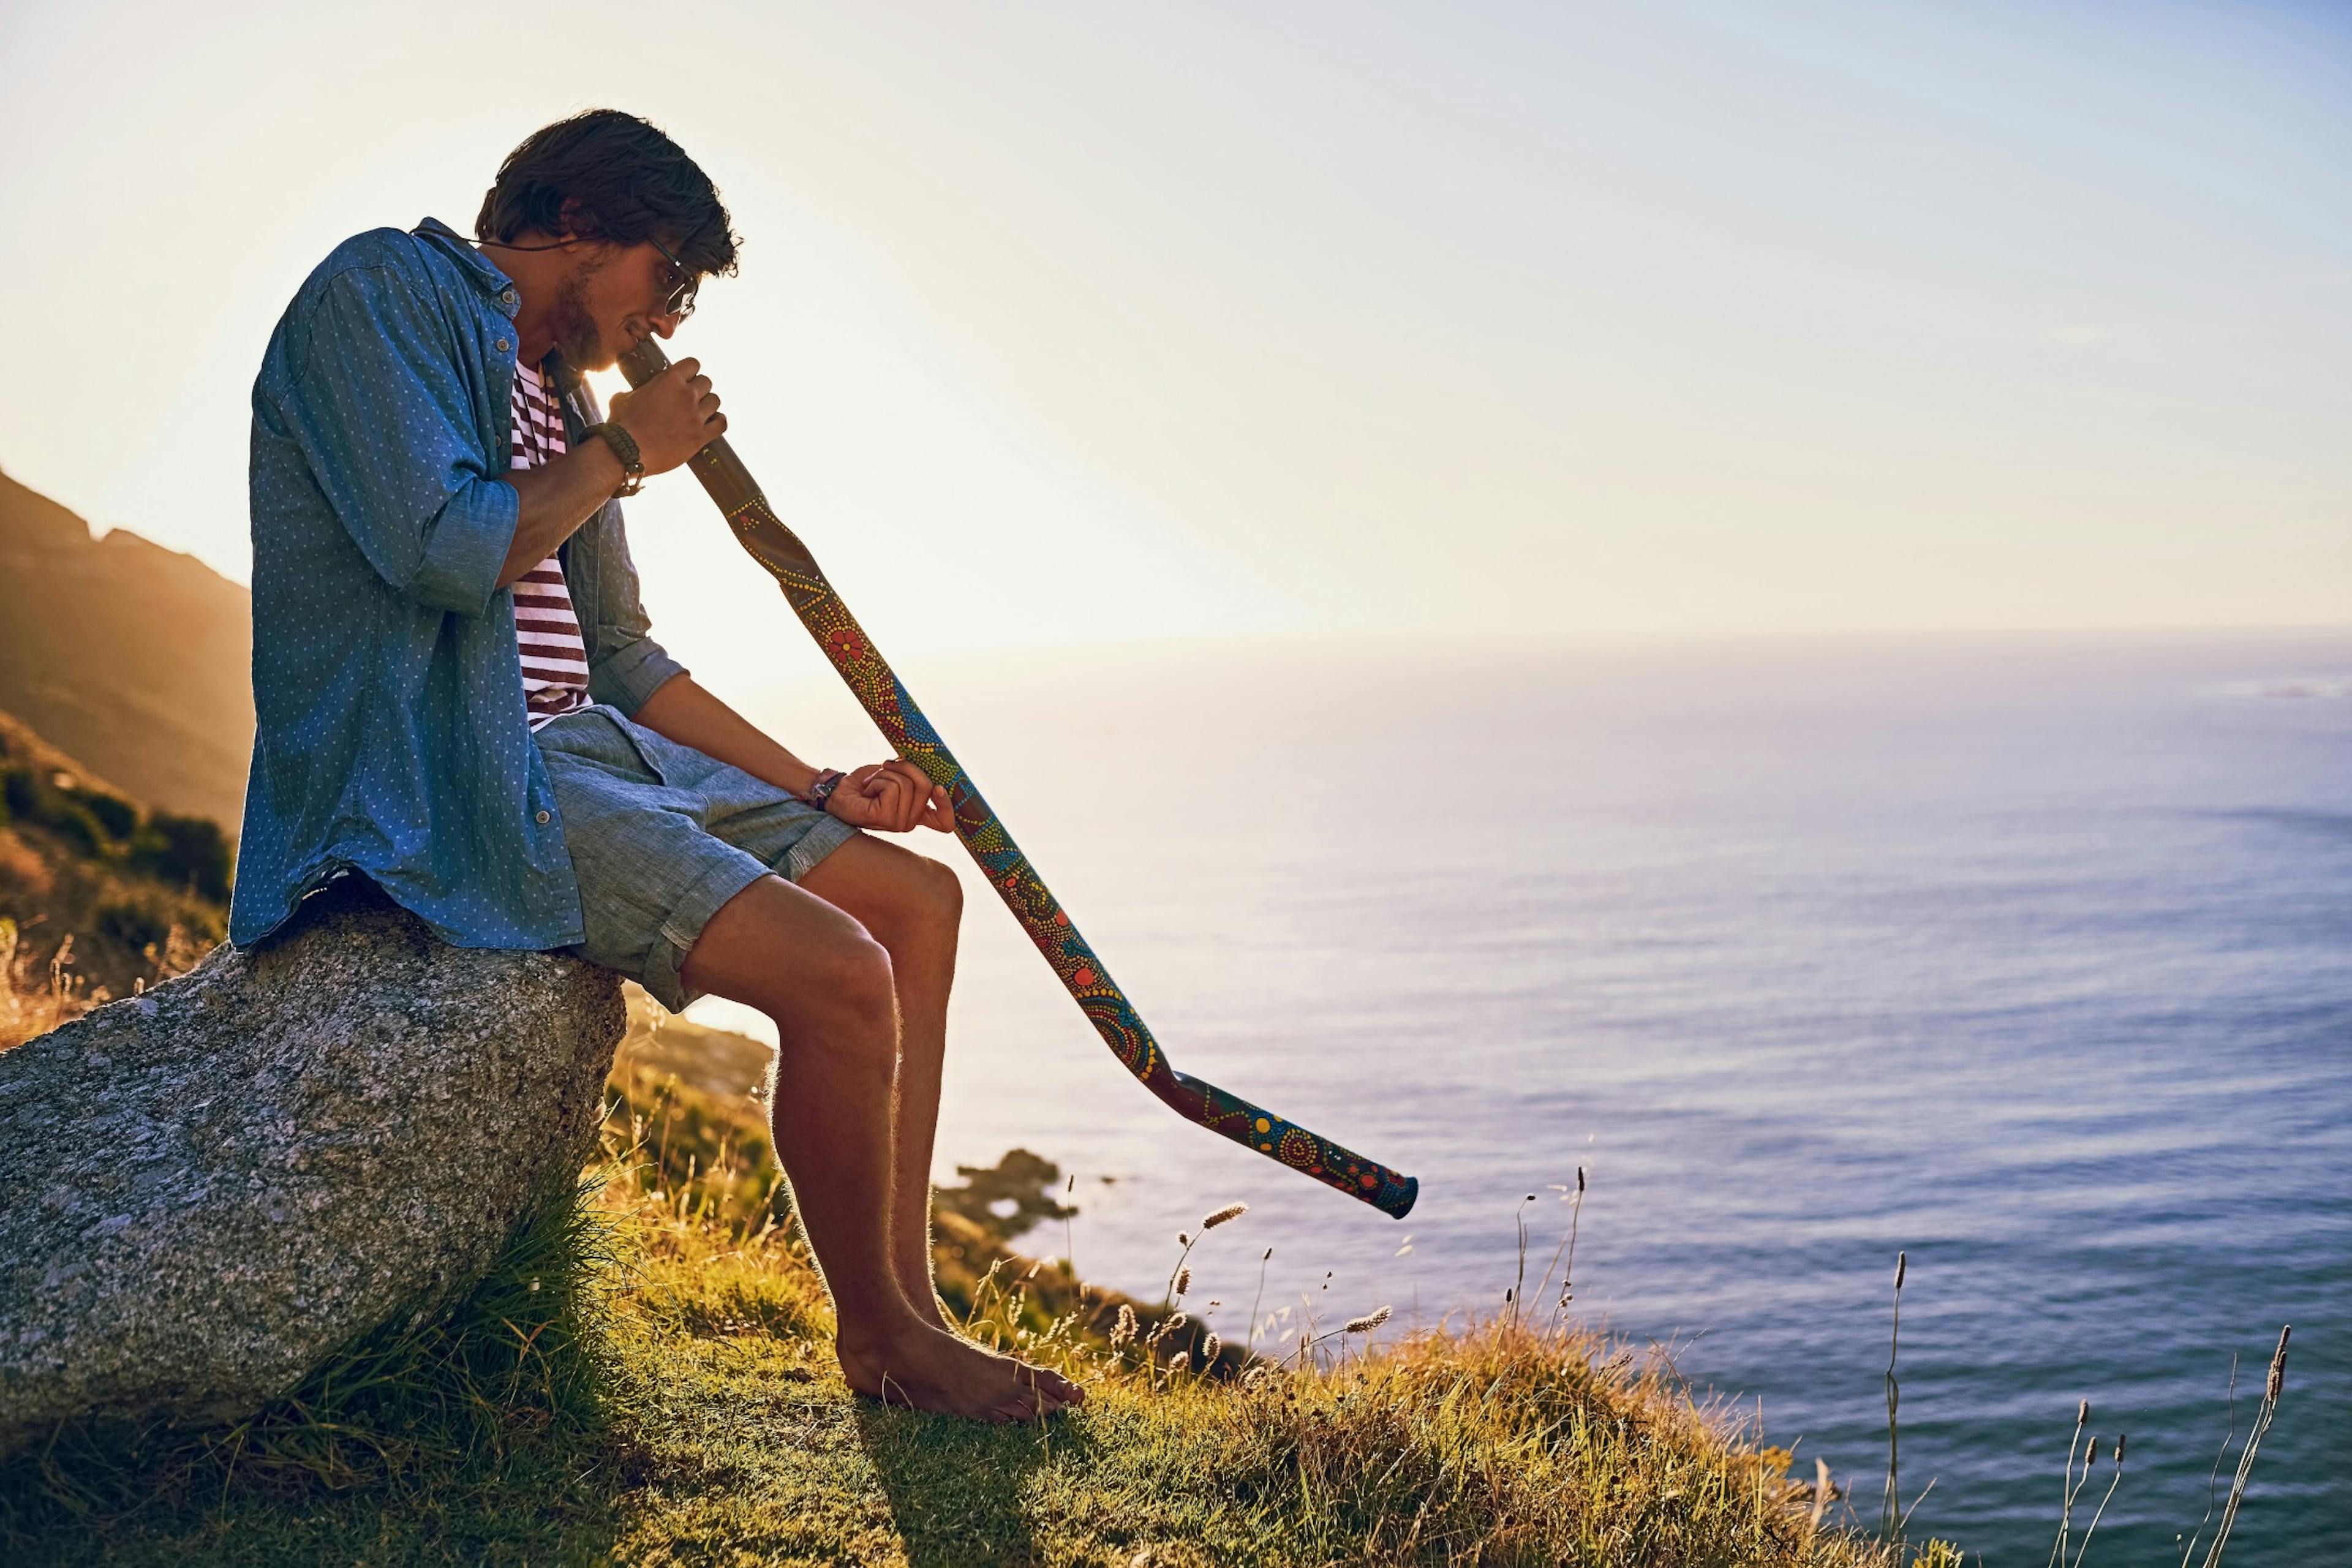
{"x":645,"y":1376}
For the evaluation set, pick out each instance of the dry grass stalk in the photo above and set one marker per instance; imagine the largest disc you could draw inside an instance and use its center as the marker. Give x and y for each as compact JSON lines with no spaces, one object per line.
{"x":1823,"y":1492}
{"x":31,"y":1008}
{"x":1519,"y":1281}
{"x":1260,"y":1300}
{"x":2069,"y":1487}
{"x":1567,"y":1247}
{"x":1189,"y":1240}
{"x":1891,"y":1522}
{"x":2122,"y":1441}
{"x":2272,"y":1387}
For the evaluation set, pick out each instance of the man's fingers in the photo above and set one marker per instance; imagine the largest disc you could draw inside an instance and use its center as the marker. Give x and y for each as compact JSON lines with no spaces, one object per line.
{"x":888,"y":790}
{"x":687,"y":368}
{"x":859,"y":785}
{"x":922,"y":795}
{"x":920,"y":790}
{"x":913,"y":790}
{"x":897,"y":794}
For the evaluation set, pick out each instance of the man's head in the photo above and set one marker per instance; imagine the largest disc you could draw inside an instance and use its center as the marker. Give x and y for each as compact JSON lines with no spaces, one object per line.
{"x":616,"y":193}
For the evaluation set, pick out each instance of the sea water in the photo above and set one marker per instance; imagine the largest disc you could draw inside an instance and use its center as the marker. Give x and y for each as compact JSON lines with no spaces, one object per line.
{"x":2028,"y":958}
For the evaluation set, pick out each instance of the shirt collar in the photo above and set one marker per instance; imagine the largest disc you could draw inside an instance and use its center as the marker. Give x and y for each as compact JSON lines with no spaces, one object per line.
{"x":484,"y":272}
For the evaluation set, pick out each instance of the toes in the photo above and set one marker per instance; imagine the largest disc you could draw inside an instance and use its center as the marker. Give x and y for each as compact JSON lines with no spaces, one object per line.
{"x":1055,"y":1385}
{"x":1040,"y":1400}
{"x":1053,"y":1402}
{"x":1052,"y":1384}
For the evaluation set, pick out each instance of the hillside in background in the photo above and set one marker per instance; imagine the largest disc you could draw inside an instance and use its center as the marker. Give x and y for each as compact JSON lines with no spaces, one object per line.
{"x":117,"y":893}
{"x":133,"y":658}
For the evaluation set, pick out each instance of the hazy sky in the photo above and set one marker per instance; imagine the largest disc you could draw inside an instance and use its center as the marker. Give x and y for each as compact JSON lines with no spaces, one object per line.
{"x":1084,"y":321}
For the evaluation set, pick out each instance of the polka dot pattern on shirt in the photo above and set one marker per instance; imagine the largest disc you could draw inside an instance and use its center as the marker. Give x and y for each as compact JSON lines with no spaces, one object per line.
{"x":391,"y":728}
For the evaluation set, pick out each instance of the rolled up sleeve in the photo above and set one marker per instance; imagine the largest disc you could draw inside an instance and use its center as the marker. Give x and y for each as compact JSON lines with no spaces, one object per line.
{"x":629,"y":666}
{"x":380,"y":405}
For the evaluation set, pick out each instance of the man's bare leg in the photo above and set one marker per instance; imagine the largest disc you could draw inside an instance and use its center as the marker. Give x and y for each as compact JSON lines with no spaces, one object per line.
{"x":828,"y":986}
{"x":912,"y":906}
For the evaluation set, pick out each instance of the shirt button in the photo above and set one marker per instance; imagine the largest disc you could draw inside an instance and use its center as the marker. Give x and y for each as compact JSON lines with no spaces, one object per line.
{"x":509,"y":296}
{"x":542,"y":816}
{"x":505,"y":347}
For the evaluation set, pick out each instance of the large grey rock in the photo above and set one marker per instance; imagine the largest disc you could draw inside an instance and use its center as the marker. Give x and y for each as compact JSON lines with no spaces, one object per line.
{"x":205,"y":1189}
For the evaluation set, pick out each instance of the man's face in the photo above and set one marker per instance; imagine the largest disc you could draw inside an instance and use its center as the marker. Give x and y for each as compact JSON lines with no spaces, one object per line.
{"x":610,"y":300}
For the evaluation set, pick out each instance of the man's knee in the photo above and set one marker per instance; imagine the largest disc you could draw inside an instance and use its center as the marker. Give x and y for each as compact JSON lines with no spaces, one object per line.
{"x":942,"y":892}
{"x":854,"y":971}
{"x":917,"y":908}
{"x":839,"y":989}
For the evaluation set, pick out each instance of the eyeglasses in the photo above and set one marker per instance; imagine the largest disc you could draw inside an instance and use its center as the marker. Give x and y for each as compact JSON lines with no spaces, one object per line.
{"x":680,"y":300}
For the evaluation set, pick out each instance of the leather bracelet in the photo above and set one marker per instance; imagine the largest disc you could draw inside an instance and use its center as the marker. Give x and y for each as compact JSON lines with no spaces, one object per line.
{"x":828,"y":780}
{"x":624,"y":446}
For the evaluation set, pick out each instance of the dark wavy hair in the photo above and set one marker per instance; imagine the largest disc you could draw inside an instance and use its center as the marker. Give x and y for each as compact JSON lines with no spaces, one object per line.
{"x":630,"y":181}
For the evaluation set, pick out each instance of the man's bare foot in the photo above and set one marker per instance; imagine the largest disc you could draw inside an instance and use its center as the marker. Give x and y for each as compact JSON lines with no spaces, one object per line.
{"x":928,"y":1368}
{"x":932,"y":1310}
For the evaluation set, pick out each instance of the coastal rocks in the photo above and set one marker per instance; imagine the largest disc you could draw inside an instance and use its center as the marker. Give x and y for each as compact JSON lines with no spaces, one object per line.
{"x":205,"y":1189}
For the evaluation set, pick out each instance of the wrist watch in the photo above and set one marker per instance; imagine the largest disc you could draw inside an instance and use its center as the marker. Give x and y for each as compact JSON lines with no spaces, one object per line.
{"x":624,"y":446}
{"x":821,"y":790}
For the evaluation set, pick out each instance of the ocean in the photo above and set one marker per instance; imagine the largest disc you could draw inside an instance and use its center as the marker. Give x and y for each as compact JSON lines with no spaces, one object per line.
{"x":2030,"y":958}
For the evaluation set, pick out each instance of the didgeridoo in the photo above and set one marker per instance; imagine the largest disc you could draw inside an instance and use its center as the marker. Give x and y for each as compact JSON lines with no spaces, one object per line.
{"x":886,"y":701}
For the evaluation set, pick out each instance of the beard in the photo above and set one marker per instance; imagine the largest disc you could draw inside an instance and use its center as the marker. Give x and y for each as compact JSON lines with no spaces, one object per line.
{"x":576,"y":336}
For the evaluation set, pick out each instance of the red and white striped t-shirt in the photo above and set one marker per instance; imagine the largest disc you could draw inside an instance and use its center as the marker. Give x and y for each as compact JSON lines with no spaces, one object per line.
{"x":554,"y":658}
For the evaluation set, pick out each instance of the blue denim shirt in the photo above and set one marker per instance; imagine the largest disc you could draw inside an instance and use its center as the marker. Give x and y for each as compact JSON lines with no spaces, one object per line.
{"x":387,"y":687}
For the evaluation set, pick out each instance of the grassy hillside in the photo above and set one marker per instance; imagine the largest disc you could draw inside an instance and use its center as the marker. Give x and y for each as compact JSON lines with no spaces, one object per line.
{"x":646,"y":1377}
{"x":135,"y":659}
{"x":98,"y":893}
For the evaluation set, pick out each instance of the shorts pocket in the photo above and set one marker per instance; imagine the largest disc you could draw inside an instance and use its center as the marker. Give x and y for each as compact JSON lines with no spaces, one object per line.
{"x":658,"y":756}
{"x":596,"y":735}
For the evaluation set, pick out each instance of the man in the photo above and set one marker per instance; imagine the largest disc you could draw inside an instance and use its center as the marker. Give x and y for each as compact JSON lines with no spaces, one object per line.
{"x":457,"y":697}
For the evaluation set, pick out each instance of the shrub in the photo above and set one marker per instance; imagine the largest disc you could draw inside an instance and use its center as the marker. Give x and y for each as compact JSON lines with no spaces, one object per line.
{"x":189,"y":852}
{"x":137,"y":920}
{"x":116,"y":816}
{"x":92,"y":822}
{"x":22,"y":789}
{"x":80,"y":826}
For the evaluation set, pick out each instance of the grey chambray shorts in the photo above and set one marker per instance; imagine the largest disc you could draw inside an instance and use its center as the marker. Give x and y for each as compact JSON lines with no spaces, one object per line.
{"x":661,"y":836}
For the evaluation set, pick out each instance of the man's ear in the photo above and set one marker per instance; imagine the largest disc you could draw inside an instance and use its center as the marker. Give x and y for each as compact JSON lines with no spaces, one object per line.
{"x":568,"y":220}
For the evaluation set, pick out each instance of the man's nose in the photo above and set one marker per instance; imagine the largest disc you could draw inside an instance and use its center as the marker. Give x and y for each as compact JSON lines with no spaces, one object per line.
{"x":663,"y":325}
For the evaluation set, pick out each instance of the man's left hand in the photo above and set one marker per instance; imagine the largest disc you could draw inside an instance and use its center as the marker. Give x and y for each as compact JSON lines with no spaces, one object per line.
{"x":893,"y":797}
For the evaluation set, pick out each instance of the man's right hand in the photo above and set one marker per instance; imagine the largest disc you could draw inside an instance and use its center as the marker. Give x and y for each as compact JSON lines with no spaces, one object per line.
{"x":671,"y":417}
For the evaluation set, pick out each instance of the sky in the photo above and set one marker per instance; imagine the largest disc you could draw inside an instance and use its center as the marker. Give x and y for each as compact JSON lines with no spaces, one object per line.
{"x":1061,"y":322}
